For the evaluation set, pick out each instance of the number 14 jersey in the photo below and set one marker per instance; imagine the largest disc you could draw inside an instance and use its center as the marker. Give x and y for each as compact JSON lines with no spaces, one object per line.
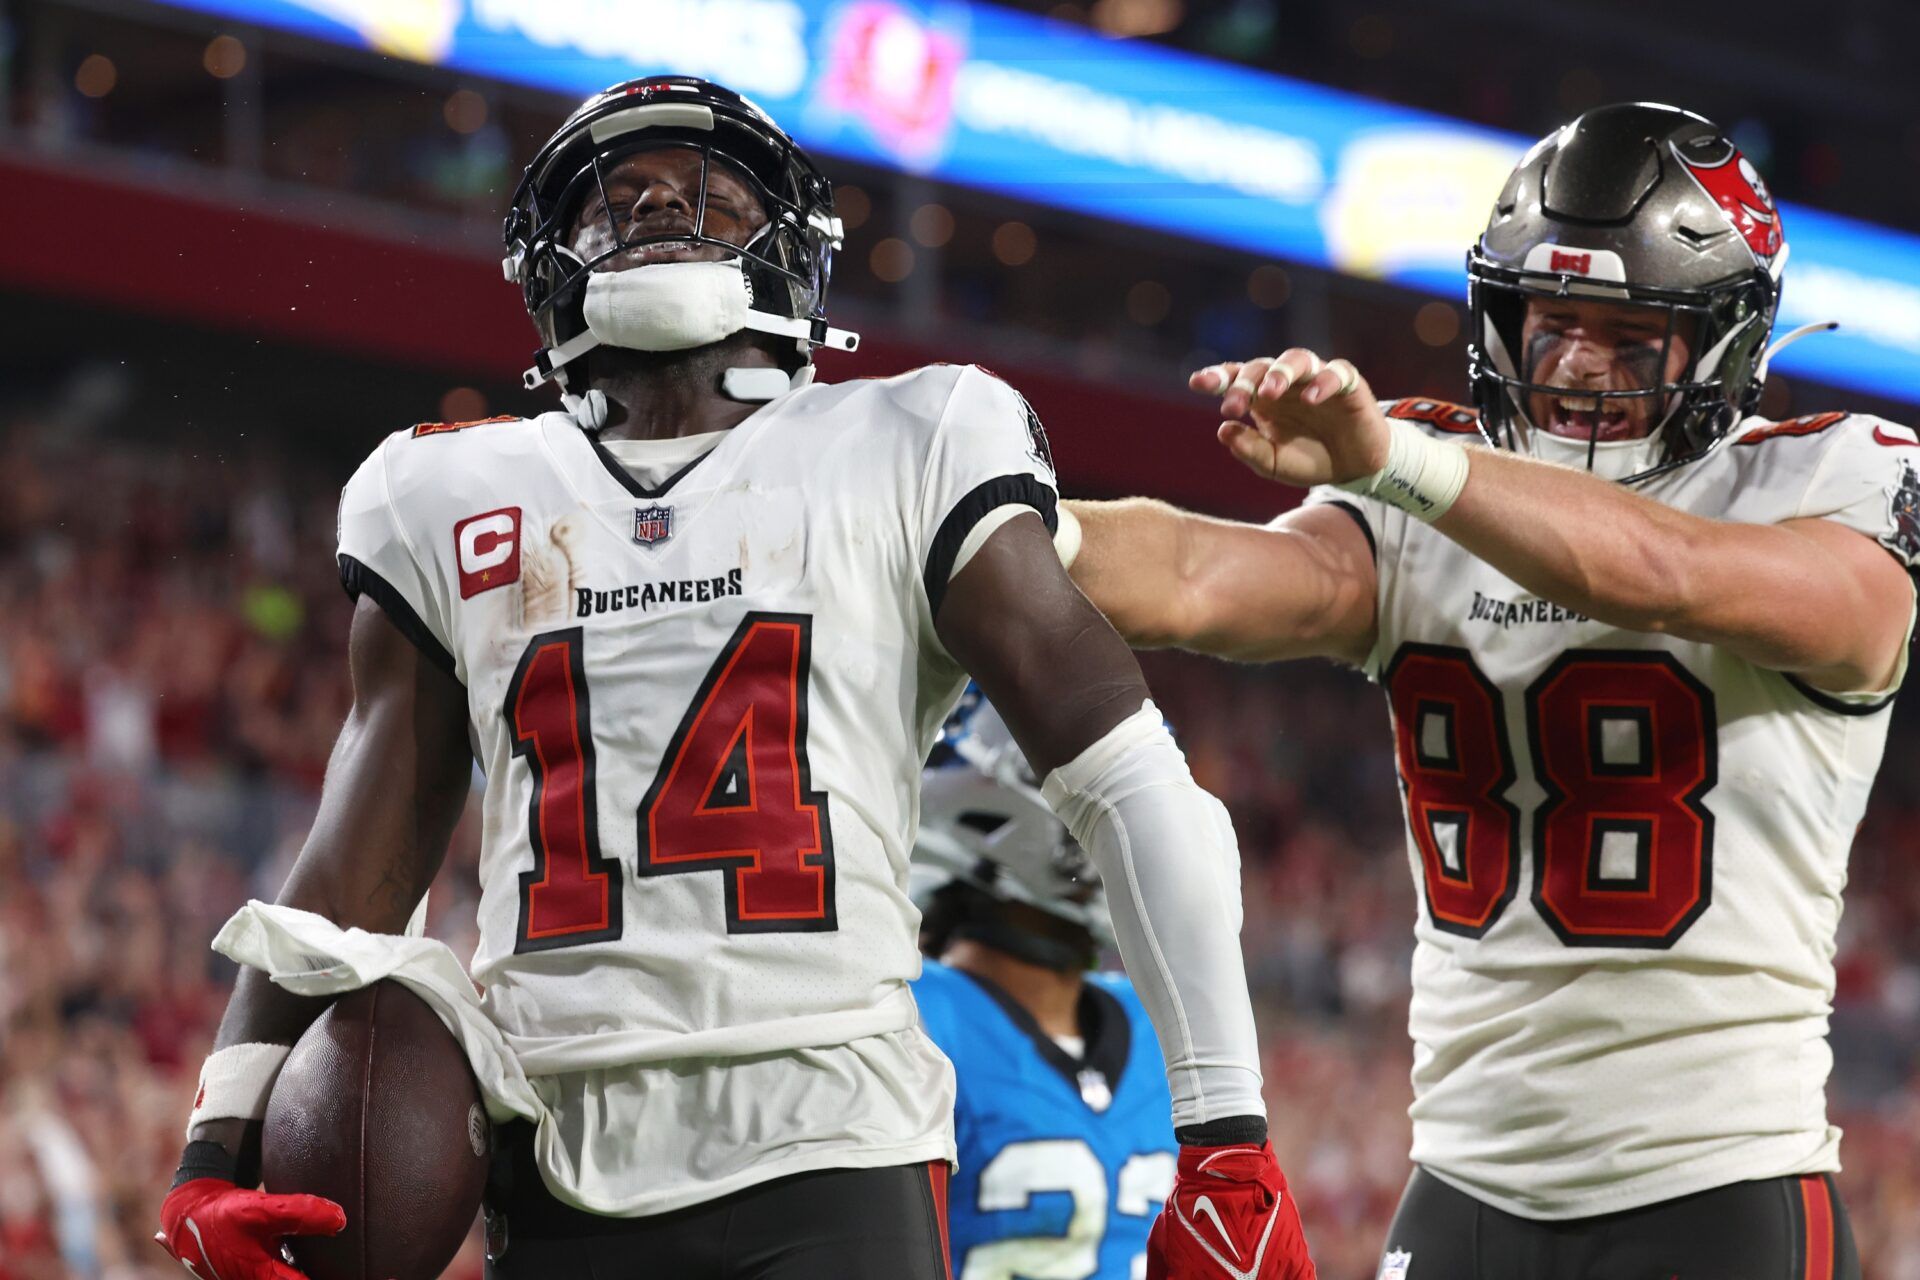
{"x":701,"y":709}
{"x":1630,"y":849}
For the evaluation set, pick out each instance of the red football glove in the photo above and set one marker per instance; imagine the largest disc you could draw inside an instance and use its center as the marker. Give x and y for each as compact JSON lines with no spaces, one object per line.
{"x":220,"y":1230}
{"x":1230,"y":1217}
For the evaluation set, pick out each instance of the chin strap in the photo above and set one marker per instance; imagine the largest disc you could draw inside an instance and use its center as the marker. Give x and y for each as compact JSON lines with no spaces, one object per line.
{"x":749,"y":385}
{"x":589,"y":411}
{"x":809,"y":333}
{"x":759,"y":385}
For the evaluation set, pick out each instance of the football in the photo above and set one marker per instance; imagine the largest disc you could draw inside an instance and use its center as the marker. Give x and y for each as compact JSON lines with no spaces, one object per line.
{"x":377,"y":1109}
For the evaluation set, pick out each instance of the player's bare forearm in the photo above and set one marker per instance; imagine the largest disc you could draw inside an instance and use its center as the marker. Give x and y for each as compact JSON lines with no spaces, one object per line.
{"x":1042,"y":653}
{"x":1302,"y":586}
{"x":1135,"y":564}
{"x":1807,"y":596}
{"x":395,"y":785}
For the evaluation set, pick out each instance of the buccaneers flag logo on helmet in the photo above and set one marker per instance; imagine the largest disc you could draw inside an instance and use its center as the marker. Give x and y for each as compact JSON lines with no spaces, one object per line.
{"x":1732,"y":182}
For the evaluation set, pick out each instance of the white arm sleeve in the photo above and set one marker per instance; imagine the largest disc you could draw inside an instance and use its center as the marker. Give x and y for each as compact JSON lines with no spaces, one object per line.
{"x":1167,"y":854}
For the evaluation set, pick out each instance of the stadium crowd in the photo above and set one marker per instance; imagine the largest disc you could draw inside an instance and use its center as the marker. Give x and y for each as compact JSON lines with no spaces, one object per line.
{"x":172,"y":674}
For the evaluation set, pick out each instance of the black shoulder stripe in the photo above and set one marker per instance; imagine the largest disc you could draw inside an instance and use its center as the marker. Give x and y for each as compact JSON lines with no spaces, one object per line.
{"x":1021,"y":489}
{"x":1839,"y":706}
{"x":360,"y":580}
{"x":1359,"y":518}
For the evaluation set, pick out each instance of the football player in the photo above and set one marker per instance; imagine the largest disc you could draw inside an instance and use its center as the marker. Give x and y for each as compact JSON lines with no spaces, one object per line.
{"x":699,"y":627}
{"x":1061,"y":1119}
{"x":1639,"y":647}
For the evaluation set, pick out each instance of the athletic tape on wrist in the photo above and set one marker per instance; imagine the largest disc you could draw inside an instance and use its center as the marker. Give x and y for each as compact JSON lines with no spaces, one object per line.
{"x":1423,"y":476}
{"x":235,"y":1082}
{"x":1066,"y":536}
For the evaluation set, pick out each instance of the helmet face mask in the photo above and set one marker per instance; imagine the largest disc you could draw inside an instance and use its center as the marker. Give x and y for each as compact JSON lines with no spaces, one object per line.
{"x":1689,"y":409}
{"x":611,"y":228}
{"x":1634,"y":205}
{"x":787,"y":264}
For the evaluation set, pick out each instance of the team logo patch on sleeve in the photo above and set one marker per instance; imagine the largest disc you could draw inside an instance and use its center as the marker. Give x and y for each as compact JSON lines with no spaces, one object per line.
{"x":487,"y":550}
{"x":1396,"y":1265}
{"x":652,"y":524}
{"x":1903,"y":512}
{"x":1037,"y":447}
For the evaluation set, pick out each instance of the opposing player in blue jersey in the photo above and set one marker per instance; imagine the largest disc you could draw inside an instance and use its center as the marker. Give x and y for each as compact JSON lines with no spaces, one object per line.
{"x":1066,"y":1152}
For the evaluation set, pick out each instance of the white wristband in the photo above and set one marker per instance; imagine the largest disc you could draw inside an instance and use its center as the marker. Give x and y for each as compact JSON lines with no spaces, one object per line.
{"x":236,"y":1081}
{"x":1423,"y":476}
{"x":1066,"y":536}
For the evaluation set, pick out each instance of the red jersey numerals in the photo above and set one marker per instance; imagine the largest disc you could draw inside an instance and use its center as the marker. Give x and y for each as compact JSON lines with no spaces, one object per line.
{"x":572,"y":894}
{"x":731,"y":795}
{"x":1624,"y":745}
{"x":1456,"y":767}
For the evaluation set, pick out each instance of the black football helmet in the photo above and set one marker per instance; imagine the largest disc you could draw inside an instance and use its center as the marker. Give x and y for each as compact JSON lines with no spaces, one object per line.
{"x":787,"y":264}
{"x":1644,"y":204}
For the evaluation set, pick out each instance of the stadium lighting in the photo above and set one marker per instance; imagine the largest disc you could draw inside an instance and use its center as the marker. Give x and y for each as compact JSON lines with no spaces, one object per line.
{"x":891,"y":260}
{"x":1014,"y":244}
{"x":95,"y":76}
{"x":225,"y":57}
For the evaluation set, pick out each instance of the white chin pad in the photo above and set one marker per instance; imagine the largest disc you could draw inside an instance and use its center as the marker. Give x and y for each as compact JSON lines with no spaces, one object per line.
{"x":668,"y":306}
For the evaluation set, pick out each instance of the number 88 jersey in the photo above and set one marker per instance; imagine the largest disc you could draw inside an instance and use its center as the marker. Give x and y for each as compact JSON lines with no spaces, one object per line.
{"x":701,"y":706}
{"x":1630,"y":849}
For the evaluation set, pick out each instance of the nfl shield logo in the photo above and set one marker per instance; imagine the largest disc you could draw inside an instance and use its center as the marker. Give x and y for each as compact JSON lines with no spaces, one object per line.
{"x":652,"y":524}
{"x":1094,"y":1090}
{"x":1396,"y":1265}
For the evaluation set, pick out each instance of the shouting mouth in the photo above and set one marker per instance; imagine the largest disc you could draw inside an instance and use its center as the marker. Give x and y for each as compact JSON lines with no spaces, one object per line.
{"x":1589,"y":418}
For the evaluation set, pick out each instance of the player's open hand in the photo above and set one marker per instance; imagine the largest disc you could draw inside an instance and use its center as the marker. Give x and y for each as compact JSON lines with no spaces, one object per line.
{"x":1296,"y":418}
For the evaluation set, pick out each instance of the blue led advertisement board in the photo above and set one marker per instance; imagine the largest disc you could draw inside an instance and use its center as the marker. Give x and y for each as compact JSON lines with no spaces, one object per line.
{"x":1119,"y":130}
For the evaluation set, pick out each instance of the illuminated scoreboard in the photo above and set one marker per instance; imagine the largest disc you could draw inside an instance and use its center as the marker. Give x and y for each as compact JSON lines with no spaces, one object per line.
{"x":1119,"y":130}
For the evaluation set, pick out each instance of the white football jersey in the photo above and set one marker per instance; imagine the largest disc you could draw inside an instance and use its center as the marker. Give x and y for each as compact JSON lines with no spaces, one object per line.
{"x":702,"y":710}
{"x":1630,"y":849}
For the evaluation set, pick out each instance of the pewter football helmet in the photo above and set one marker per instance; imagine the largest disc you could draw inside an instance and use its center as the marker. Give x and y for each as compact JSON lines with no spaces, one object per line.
{"x":1645,"y":204}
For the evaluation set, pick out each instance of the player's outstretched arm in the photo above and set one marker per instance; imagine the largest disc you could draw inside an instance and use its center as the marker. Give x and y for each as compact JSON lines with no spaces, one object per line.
{"x":1074,"y":698}
{"x":395,"y":785}
{"x":1808,"y":596}
{"x":1301,"y":586}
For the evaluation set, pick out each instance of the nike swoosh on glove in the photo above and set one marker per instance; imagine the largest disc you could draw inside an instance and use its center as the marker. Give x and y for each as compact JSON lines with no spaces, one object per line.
{"x":1230,"y":1217}
{"x":224,"y":1232}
